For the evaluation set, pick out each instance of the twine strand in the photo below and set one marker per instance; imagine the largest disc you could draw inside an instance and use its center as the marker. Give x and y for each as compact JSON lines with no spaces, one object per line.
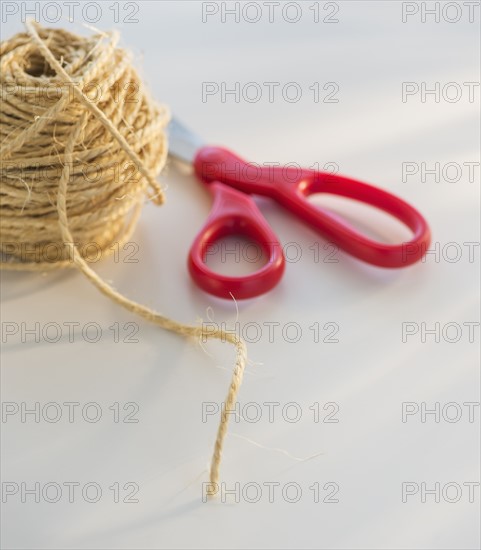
{"x":29,"y":213}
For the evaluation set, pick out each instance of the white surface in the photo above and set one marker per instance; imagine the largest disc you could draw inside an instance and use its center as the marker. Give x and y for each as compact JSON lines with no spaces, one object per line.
{"x":370,"y":452}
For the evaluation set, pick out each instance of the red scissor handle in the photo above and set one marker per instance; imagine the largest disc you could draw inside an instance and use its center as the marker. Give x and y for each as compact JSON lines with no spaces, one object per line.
{"x":235,"y":213}
{"x":291,"y":186}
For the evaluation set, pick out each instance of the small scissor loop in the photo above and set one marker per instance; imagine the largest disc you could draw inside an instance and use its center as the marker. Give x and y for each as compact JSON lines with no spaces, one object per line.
{"x":234,"y":213}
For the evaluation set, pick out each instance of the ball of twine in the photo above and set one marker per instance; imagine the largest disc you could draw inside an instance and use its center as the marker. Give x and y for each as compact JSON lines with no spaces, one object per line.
{"x":81,"y":145}
{"x":70,"y":100}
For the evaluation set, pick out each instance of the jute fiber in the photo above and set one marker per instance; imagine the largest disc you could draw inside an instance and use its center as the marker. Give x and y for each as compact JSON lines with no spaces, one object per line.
{"x":81,"y":145}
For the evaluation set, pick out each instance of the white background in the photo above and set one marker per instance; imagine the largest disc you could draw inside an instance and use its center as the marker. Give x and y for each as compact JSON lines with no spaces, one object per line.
{"x":369,"y":373}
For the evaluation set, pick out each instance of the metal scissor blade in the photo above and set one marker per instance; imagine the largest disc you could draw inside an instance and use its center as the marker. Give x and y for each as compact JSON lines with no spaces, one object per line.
{"x":183,"y":144}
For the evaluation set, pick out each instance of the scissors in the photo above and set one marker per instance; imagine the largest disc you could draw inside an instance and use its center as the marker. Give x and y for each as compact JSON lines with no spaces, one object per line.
{"x":232,"y":180}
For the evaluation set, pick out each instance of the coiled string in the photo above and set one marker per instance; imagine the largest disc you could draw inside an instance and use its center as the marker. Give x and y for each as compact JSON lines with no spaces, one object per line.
{"x":68,"y":161}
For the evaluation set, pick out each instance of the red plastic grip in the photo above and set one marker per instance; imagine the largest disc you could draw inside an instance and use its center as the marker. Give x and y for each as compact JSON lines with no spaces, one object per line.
{"x":290,"y":186}
{"x":235,"y":213}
